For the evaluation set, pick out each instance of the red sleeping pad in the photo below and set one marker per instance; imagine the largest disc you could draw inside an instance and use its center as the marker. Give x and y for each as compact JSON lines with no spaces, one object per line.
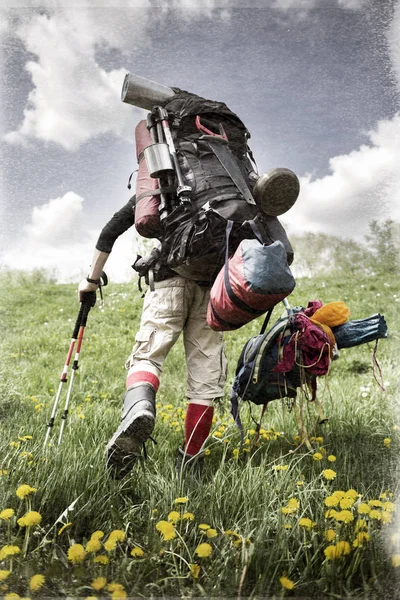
{"x":147,"y":216}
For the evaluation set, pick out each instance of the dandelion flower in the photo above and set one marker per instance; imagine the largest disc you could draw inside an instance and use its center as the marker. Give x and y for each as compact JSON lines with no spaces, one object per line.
{"x":306,"y":523}
{"x":346,"y":502}
{"x":4,"y":574}
{"x":110,"y":545}
{"x":375,"y":514}
{"x":317,"y":456}
{"x":188,"y":516}
{"x":386,"y":516}
{"x":396,"y":560}
{"x":25,"y":490}
{"x":99,"y":583}
{"x":236,"y":453}
{"x":174,"y":516}
{"x":76,"y":553}
{"x":363,"y":508}
{"x":293,"y":503}
{"x":102,"y":559}
{"x":63,"y":528}
{"x":166,"y":529}
{"x":331,"y":552}
{"x":330,"y":535}
{"x":12,"y":596}
{"x":286,"y":583}
{"x":181,"y":500}
{"x":93,"y":545}
{"x":211,"y":533}
{"x":332,"y":458}
{"x":9,"y":551}
{"x":36,"y":582}
{"x":389,"y":506}
{"x":115,"y":587}
{"x":361,"y":524}
{"x":117,"y":534}
{"x":331,"y":501}
{"x":339,"y":494}
{"x":375,"y":503}
{"x":204,"y":526}
{"x":119,"y":594}
{"x":91,"y":598}
{"x":203,"y":550}
{"x":329,"y":474}
{"x":345,"y":516}
{"x":352,"y":494}
{"x":30,"y":519}
{"x":386,"y":442}
{"x":97,"y":535}
{"x":6,"y":514}
{"x":362,"y":536}
{"x":195,"y":570}
{"x":301,"y":482}
{"x":343,"y":547}
{"x":287,"y":526}
{"x":137,"y":552}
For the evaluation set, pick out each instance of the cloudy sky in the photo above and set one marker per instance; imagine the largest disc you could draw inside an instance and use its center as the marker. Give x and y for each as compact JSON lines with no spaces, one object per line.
{"x":315,"y":81}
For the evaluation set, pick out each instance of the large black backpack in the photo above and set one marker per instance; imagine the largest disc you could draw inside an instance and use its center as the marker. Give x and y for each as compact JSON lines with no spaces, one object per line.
{"x":215,"y":160}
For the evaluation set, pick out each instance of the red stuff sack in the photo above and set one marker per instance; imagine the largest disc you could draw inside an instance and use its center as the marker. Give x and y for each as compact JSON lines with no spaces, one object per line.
{"x":147,"y":216}
{"x":253,"y":280}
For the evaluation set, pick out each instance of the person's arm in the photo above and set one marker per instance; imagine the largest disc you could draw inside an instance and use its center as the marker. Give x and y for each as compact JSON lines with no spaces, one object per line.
{"x":120,"y":222}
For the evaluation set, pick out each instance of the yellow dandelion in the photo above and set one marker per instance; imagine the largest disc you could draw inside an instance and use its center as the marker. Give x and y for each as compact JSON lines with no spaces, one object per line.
{"x":4,"y":574}
{"x":331,"y":552}
{"x":389,"y":506}
{"x":331,"y":501}
{"x":6,"y":514}
{"x":204,"y":526}
{"x":91,"y":598}
{"x":12,"y":596}
{"x":339,"y":494}
{"x":363,"y":508}
{"x":97,"y":535}
{"x":361,"y":524}
{"x":63,"y":528}
{"x":306,"y":523}
{"x":30,"y":519}
{"x":110,"y":545}
{"x":396,"y":560}
{"x":119,"y":594}
{"x":317,"y":456}
{"x":36,"y":582}
{"x":188,"y":516}
{"x":166,"y":529}
{"x":99,"y":583}
{"x":137,"y":552}
{"x":93,"y":545}
{"x":181,"y":500}
{"x":329,"y":474}
{"x":287,"y":526}
{"x":76,"y":553}
{"x":174,"y":516}
{"x":117,"y":534}
{"x":345,"y":516}
{"x":375,"y":503}
{"x":375,"y":514}
{"x":115,"y":587}
{"x":217,"y":434}
{"x":286,"y":583}
{"x":330,"y":535}
{"x":386,"y":517}
{"x":102,"y":559}
{"x":24,"y":490}
{"x":236,"y":453}
{"x":343,"y":547}
{"x":203,"y":550}
{"x":207,"y":452}
{"x":331,"y":513}
{"x":386,"y":442}
{"x":211,"y":533}
{"x":9,"y":551}
{"x":346,"y":502}
{"x":195,"y":570}
{"x":332,"y":458}
{"x":362,"y":536}
{"x":352,"y":494}
{"x":293,"y":503}
{"x":300,"y":482}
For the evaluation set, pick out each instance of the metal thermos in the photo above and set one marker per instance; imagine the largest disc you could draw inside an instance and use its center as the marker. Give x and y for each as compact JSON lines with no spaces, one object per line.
{"x":158,"y":160}
{"x":144,"y":92}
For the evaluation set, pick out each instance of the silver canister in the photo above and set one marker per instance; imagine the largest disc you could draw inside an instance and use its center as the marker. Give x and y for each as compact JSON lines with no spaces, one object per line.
{"x":144,"y":93}
{"x":158,"y":160}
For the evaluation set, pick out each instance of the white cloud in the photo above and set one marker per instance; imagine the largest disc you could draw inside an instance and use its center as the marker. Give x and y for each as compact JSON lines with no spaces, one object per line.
{"x":58,"y":240}
{"x":73,"y":98}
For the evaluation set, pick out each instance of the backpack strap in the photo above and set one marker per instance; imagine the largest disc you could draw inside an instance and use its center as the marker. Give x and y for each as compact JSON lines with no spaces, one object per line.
{"x":220,"y":148}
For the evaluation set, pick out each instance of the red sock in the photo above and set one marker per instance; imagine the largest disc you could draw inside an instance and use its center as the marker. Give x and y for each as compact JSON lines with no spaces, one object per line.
{"x":197,"y":426}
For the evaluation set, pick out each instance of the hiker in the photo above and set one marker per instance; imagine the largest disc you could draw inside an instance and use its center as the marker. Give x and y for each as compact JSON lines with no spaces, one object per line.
{"x":176,"y":305}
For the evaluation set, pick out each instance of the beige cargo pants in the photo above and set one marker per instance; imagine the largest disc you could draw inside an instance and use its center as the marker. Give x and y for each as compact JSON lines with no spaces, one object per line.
{"x":178,"y":305}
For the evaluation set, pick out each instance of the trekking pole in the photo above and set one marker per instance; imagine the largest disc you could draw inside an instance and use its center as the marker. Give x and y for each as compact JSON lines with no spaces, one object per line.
{"x":87,"y":305}
{"x":183,"y":190}
{"x":63,"y":378}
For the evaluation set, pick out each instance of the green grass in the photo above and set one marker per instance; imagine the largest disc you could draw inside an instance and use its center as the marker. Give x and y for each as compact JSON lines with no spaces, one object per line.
{"x":244,"y":495}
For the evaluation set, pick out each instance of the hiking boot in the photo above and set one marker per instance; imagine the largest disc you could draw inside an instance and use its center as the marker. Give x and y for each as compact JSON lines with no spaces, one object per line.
{"x":276,"y":191}
{"x":189,"y":463}
{"x":137,"y":424}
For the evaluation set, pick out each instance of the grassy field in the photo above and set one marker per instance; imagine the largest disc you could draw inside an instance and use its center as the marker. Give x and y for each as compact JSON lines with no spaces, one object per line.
{"x":336,"y":537}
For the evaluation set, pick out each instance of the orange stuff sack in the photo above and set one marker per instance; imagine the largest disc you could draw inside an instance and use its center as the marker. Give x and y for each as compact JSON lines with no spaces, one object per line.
{"x":332,"y":314}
